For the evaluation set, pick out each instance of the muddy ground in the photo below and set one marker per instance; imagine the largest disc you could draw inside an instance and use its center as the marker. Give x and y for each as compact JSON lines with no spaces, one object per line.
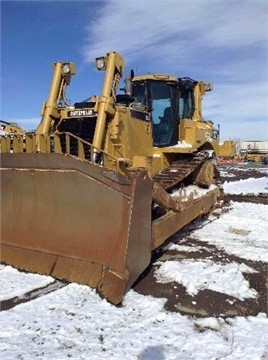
{"x":207,"y":302}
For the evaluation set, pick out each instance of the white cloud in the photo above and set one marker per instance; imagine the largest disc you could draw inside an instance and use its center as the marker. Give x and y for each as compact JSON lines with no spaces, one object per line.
{"x":25,"y":123}
{"x":239,"y":23}
{"x":222,"y":41}
{"x":240,"y":109}
{"x":239,"y":100}
{"x":135,"y":27}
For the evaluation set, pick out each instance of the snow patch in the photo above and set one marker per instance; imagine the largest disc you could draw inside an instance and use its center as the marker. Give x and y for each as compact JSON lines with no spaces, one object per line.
{"x":241,"y":231}
{"x":247,"y":186}
{"x":199,"y":275}
{"x":192,"y":190}
{"x":15,"y":283}
{"x":182,"y":144}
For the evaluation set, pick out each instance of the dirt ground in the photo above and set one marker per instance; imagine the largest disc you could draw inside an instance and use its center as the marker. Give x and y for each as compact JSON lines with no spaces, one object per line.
{"x":207,"y":302}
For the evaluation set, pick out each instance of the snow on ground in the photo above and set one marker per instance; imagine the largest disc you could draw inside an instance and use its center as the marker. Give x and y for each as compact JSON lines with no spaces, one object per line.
{"x":225,"y":173}
{"x":14,"y":283}
{"x":198,"y":275}
{"x":247,"y":186}
{"x":242,"y":231}
{"x":73,"y":322}
{"x":245,"y":167}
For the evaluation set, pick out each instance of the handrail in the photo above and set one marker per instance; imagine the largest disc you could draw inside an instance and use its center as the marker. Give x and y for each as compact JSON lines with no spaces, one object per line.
{"x":86,"y":143}
{"x":26,"y":143}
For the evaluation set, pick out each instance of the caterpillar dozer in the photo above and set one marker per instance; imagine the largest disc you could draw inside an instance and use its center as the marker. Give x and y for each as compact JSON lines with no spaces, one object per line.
{"x":103,"y":182}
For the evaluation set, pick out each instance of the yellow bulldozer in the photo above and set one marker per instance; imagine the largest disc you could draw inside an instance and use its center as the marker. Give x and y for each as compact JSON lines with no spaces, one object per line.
{"x":102,"y":183}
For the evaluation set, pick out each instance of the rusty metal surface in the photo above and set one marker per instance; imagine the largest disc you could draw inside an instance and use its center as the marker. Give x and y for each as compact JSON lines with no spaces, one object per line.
{"x":61,"y":216}
{"x":171,"y":222}
{"x":165,"y":200}
{"x":80,"y":222}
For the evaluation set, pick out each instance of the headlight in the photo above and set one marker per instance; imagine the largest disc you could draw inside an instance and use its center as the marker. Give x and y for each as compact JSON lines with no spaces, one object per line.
{"x":100,"y":63}
{"x":208,"y":86}
{"x":66,"y":69}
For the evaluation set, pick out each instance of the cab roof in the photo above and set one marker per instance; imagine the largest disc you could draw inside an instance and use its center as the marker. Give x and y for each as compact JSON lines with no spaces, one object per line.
{"x":156,"y":77}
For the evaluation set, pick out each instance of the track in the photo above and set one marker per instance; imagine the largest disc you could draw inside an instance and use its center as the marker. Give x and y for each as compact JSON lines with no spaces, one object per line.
{"x":179,"y":170}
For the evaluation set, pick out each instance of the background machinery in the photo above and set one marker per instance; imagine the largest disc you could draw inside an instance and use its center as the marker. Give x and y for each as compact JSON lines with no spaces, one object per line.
{"x":102,"y":183}
{"x":10,"y":128}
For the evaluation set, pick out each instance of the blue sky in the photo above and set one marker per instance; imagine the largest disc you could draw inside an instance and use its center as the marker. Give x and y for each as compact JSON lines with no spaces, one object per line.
{"x":223,"y":41}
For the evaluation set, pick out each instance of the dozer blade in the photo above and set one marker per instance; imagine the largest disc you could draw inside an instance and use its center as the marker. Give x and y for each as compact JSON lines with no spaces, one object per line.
{"x":76,"y":221}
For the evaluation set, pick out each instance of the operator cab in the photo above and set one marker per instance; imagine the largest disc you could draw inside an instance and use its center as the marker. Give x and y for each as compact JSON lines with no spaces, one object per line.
{"x":168,"y":99}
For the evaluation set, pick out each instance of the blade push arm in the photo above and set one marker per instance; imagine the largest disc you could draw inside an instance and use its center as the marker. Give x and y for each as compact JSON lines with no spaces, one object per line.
{"x":113,"y":64}
{"x":61,"y":78}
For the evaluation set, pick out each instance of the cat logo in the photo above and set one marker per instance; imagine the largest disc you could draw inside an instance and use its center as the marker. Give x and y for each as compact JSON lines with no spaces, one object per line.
{"x":81,"y":113}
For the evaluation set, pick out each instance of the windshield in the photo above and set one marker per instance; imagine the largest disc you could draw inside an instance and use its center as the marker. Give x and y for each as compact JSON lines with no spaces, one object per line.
{"x":164,"y":114}
{"x":161,"y":100}
{"x":159,"y":97}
